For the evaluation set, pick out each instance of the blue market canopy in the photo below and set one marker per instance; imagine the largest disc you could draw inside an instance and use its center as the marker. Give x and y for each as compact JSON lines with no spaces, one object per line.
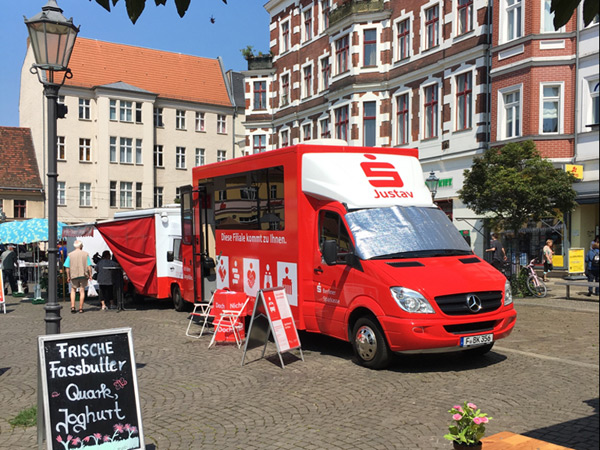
{"x":27,"y":231}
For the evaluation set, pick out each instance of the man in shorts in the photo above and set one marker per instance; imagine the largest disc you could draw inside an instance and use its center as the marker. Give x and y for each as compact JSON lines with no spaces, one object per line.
{"x":79,"y":271}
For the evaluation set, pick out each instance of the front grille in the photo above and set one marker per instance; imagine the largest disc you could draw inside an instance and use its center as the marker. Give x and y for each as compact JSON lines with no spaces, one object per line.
{"x":468,"y":328}
{"x":456,"y":304}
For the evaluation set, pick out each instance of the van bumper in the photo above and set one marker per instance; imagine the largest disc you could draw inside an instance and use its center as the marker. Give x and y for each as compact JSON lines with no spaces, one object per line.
{"x":423,"y":334}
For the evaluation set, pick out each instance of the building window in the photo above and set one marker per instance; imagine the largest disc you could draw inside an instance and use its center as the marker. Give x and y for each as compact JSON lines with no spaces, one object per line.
{"x":325,"y":130}
{"x":158,"y":118}
{"x":158,"y":156}
{"x":61,"y":193}
{"x":112,"y":149}
{"x":180,"y":119}
{"x":431,"y":111}
{"x":325,"y":73}
{"x":403,"y":39}
{"x":260,"y":95}
{"x":221,"y":124}
{"x":200,"y":158}
{"x":341,"y":123}
{"x":113,"y":110}
{"x":285,"y":36}
{"x":259,"y":142}
{"x":369,"y":124}
{"x":199,"y":121}
{"x":285,"y":89}
{"x":138,"y":195}
{"x":511,"y":114}
{"x":138,"y":112}
{"x":85,"y":150}
{"x":125,"y":194}
{"x":306,"y":132}
{"x":514,"y":19}
{"x":594,"y":110}
{"x":19,"y":210}
{"x":402,"y":119}
{"x":551,"y":108}
{"x":138,"y":151}
{"x":158,"y":197}
{"x":342,"y":50}
{"x":370,"y":48}
{"x":325,"y":8}
{"x":85,"y":194}
{"x":307,"y":81}
{"x":285,"y":138}
{"x":84,"y":109}
{"x":308,"y":24}
{"x":180,"y":157}
{"x":113,"y":194}
{"x":464,"y":100}
{"x":221,"y":155}
{"x":60,"y":148}
{"x":126,"y":152}
{"x":464,"y":11}
{"x":547,"y":17}
{"x":125,"y":111}
{"x":432,"y":27}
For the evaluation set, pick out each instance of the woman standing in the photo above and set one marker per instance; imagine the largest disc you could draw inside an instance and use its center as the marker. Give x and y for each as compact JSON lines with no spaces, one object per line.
{"x":548,"y":253}
{"x":105,"y":279}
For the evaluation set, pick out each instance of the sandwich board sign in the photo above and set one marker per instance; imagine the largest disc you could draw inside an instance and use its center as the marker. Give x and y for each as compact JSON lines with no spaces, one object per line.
{"x":272,"y":314}
{"x":90,"y":390}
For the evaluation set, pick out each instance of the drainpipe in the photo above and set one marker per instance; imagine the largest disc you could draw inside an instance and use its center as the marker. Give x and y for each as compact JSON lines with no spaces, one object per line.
{"x":576,"y":109}
{"x":488,"y":94}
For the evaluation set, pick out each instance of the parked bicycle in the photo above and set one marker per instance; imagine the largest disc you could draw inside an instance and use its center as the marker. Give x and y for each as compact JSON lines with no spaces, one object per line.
{"x":534,"y":284}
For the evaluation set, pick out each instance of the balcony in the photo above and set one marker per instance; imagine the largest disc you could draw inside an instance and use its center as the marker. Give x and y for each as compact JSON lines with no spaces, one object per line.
{"x":354,"y":7}
{"x":260,"y":62}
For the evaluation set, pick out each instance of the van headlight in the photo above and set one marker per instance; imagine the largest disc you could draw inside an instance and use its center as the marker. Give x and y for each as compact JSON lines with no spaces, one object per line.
{"x":507,"y":293}
{"x":411,"y":301}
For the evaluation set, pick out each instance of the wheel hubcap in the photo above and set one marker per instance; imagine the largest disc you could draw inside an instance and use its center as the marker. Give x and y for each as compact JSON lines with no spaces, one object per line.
{"x":366,"y":343}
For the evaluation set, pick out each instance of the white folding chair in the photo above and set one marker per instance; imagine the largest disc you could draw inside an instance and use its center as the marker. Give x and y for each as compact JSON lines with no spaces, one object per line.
{"x":203,"y":311}
{"x":231,"y":318}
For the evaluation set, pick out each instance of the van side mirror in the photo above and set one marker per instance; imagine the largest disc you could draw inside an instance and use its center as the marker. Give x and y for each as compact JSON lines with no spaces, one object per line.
{"x":170,"y":257}
{"x":330,"y":251}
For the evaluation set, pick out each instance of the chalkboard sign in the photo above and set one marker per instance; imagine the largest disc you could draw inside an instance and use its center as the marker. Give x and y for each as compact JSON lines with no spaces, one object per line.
{"x":90,"y":390}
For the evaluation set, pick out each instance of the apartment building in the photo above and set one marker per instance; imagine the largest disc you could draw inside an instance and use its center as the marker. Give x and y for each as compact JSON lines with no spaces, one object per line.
{"x":424,"y":74}
{"x":138,"y":121}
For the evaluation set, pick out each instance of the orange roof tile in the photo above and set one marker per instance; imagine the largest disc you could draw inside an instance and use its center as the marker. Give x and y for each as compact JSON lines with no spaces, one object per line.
{"x":18,"y":164}
{"x":170,"y":75}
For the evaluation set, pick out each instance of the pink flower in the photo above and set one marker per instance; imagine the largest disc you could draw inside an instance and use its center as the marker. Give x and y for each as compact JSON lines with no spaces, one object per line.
{"x":59,"y":438}
{"x":106,"y":438}
{"x":458,"y":408}
{"x":86,"y":439}
{"x":477,"y":420}
{"x":457,"y":416}
{"x":76,"y":441}
{"x":118,"y":427}
{"x":472,"y":405}
{"x":484,"y":420}
{"x":97,"y":435}
{"x":69,"y":438}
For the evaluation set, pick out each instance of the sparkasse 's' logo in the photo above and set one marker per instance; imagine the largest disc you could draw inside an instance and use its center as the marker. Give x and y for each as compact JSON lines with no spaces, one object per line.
{"x":384,"y":175}
{"x":381,"y":174}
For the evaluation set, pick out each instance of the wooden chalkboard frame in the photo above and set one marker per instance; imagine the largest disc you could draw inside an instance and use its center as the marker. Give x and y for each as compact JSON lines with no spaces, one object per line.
{"x":127,"y":429}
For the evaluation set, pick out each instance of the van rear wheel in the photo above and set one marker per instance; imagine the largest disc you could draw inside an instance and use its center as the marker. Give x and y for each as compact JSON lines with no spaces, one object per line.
{"x":370,"y":346}
{"x":178,"y":301}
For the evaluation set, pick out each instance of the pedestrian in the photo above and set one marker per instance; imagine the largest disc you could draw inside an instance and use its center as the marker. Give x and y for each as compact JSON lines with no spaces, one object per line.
{"x":79,"y":271}
{"x":592,"y":266}
{"x":597,"y":241}
{"x":105,"y":279}
{"x":499,"y":255}
{"x":547,"y":254}
{"x":9,"y":267}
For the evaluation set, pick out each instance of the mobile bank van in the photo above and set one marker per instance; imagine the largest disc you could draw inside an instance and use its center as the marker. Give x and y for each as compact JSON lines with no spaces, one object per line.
{"x":353,"y":236}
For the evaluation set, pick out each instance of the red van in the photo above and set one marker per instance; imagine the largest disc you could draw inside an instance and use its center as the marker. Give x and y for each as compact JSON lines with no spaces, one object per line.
{"x":353,"y":236}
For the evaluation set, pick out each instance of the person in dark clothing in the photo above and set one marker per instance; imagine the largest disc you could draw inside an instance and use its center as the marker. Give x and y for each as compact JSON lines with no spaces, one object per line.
{"x":592,"y":266}
{"x":9,"y":268}
{"x":499,"y":255}
{"x":105,"y":279}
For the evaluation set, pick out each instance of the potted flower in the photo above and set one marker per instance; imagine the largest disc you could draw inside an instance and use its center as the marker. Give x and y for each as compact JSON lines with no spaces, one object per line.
{"x":468,"y":427}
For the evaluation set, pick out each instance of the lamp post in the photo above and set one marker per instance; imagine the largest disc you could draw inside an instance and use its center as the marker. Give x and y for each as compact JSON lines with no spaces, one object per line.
{"x":52,"y":38}
{"x":432,"y":184}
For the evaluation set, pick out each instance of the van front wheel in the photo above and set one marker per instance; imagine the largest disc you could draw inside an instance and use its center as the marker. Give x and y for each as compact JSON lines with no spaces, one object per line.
{"x":178,"y":301}
{"x":370,"y":346}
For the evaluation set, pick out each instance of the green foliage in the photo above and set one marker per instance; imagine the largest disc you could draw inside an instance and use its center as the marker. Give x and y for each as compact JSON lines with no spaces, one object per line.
{"x":520,"y":284}
{"x":469,"y":424}
{"x":563,"y":11}
{"x":514,"y":184}
{"x":136,"y":7}
{"x":26,"y":418}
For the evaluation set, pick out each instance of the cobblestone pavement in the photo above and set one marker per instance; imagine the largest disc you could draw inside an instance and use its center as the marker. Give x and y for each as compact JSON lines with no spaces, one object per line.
{"x":542,"y":381}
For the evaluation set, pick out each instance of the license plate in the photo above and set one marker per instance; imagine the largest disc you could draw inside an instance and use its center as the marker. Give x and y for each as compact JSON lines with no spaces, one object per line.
{"x":468,"y":341}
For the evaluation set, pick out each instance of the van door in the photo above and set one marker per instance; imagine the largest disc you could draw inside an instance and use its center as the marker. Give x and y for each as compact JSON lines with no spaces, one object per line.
{"x":330,"y":280}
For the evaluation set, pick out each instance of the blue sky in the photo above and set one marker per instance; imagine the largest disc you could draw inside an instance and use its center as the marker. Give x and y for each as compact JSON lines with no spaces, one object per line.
{"x":238,"y":24}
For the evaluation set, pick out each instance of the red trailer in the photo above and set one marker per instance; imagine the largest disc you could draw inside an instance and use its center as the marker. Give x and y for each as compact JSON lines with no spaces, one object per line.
{"x":353,"y":236}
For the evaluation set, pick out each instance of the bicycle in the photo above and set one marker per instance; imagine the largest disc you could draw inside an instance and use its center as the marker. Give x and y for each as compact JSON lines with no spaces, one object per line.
{"x":534,"y":284}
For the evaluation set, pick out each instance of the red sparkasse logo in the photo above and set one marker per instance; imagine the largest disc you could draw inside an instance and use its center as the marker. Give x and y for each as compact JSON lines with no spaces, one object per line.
{"x":381,"y":174}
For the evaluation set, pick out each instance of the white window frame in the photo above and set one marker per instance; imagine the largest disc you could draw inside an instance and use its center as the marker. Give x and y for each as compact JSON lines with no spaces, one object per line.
{"x":138,"y":152}
{"x":112,"y":150}
{"x":456,"y":88}
{"x":307,"y":88}
{"x":322,"y":122}
{"x":112,"y":110}
{"x":285,"y":132}
{"x":180,"y":158}
{"x":112,"y":194}
{"x":308,"y":35}
{"x":85,"y":150}
{"x":561,"y":107}
{"x":84,"y":109}
{"x":221,"y":155}
{"x":549,"y":17}
{"x":139,"y":189}
{"x":200,"y":157}
{"x":221,"y":124}
{"x":470,"y":18}
{"x":285,"y":41}
{"x":397,"y":47}
{"x":158,"y":196}
{"x":324,"y":9}
{"x":61,"y":193}
{"x":125,"y":111}
{"x":159,"y":156}
{"x":362,"y":48}
{"x":261,"y":94}
{"x":374,"y":118}
{"x":592,"y":89}
{"x":501,"y":119}
{"x":396,"y":130}
{"x":438,"y":30}
{"x":438,"y":113}
{"x":200,"y":121}
{"x":125,"y":194}
{"x":306,"y":131}
{"x":338,"y":59}
{"x":158,"y":118}
{"x":61,"y":149}
{"x":126,"y":150}
{"x":505,"y":12}
{"x":261,"y":140}
{"x":284,"y":94}
{"x":322,"y":61}
{"x":85,"y":194}
{"x":180,"y":119}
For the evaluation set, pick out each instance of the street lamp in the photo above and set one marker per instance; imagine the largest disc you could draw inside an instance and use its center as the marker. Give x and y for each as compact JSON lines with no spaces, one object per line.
{"x":432,"y":184}
{"x":52,"y":38}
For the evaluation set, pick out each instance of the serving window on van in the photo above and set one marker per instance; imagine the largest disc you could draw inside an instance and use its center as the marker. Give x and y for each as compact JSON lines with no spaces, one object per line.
{"x":250,"y":200}
{"x":405,"y":232}
{"x":332,"y":227}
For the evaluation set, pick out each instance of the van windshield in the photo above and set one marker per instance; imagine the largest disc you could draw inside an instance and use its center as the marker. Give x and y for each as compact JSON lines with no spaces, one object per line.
{"x":405,"y":232}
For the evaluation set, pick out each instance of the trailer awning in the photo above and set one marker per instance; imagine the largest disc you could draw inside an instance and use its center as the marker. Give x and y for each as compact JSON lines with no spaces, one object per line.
{"x":133,"y":242}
